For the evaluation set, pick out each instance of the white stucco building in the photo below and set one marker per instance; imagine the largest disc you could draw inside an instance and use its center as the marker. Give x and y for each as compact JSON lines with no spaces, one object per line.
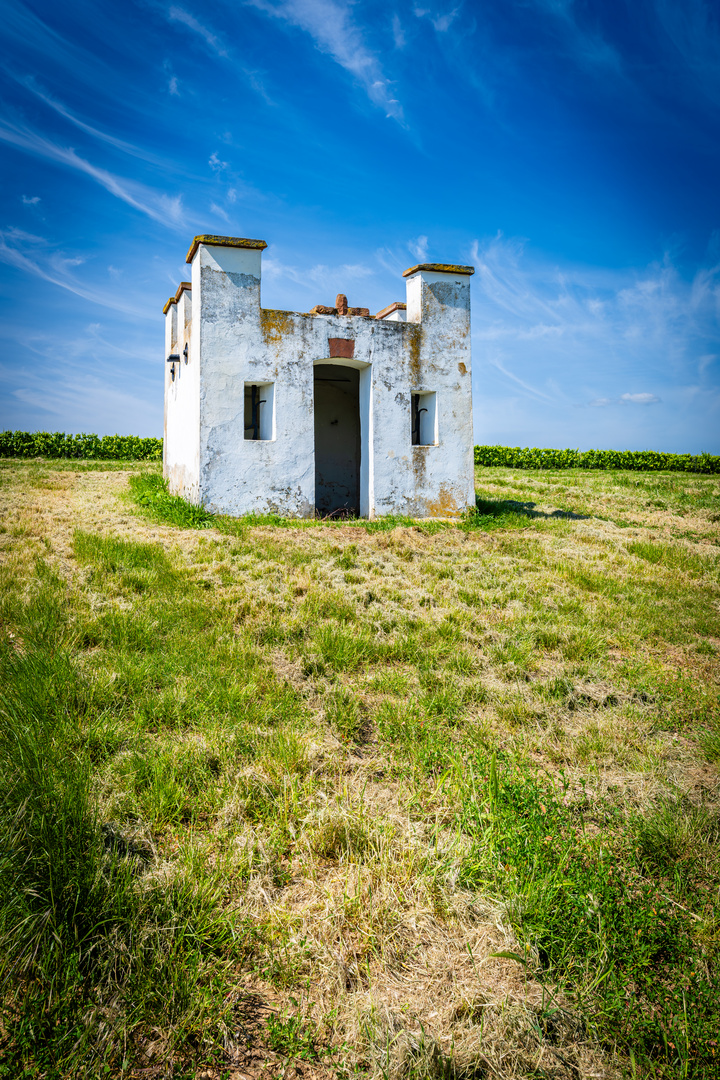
{"x":333,"y":411}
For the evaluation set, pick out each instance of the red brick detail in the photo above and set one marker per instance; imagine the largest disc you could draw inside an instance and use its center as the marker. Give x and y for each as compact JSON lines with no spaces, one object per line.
{"x":341,"y":304}
{"x":341,"y":347}
{"x":359,"y":311}
{"x":320,"y":309}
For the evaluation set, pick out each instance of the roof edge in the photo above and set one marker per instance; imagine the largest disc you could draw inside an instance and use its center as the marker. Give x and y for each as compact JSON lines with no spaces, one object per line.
{"x":397,"y":306}
{"x":440,"y":268}
{"x":223,"y":241}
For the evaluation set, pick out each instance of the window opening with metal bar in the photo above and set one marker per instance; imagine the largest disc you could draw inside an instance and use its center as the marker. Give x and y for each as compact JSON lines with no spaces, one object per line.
{"x":424,"y":418}
{"x":259,"y":411}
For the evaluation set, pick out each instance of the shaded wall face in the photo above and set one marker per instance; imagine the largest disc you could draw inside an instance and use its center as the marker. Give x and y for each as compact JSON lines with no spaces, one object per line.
{"x":181,"y":452}
{"x":337,"y":439}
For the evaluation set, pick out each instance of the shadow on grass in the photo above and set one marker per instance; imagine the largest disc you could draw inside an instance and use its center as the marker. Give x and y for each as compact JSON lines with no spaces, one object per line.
{"x":499,"y":507}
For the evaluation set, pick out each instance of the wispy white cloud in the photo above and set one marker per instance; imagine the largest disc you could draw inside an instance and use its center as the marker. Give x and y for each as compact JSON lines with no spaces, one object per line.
{"x":33,"y":255}
{"x":584,"y":43}
{"x":86,"y":395}
{"x":173,"y":85}
{"x":589,"y":330}
{"x":21,"y":236}
{"x":30,"y":200}
{"x":540,"y":395}
{"x":27,"y":31}
{"x":442,"y":21}
{"x":103,"y":136}
{"x":333,"y":31}
{"x":418,"y":248}
{"x":105,"y":376}
{"x":640,"y":399}
{"x":625,"y":399}
{"x":393,"y":261}
{"x":692,"y":30}
{"x":217,"y":45}
{"x":318,"y":284}
{"x":166,"y":209}
{"x":219,"y":212}
{"x":212,"y":40}
{"x":398,"y":32}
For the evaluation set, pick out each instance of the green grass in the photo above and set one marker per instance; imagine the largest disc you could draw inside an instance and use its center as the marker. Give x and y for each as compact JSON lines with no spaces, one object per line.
{"x":599,"y":910}
{"x":151,"y":492}
{"x":334,"y":766}
{"x":79,"y":925}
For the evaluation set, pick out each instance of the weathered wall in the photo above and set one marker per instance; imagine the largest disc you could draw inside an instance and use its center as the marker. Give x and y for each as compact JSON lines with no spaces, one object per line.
{"x":443,"y":474}
{"x":239,"y":344}
{"x":235,"y":342}
{"x":181,"y":448}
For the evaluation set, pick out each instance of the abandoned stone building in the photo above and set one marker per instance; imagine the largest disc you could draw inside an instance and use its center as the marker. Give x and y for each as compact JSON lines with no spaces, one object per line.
{"x":330,"y":412}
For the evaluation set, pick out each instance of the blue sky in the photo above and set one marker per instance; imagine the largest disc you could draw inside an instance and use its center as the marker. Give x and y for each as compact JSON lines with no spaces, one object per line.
{"x":569,"y":150}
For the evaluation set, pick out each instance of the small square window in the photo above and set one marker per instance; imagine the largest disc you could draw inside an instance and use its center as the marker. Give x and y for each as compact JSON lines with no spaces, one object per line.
{"x":424,"y":418}
{"x":259,"y":411}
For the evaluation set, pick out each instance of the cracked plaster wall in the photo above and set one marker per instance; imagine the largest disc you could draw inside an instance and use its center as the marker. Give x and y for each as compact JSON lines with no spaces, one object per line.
{"x":234,"y":341}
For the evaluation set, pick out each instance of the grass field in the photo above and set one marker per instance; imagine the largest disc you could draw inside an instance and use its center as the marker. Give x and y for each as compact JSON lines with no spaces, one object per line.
{"x":393,"y":799}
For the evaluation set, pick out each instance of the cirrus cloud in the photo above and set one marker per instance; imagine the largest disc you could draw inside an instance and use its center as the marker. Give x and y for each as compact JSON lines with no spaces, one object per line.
{"x":640,"y":399}
{"x":333,"y":31}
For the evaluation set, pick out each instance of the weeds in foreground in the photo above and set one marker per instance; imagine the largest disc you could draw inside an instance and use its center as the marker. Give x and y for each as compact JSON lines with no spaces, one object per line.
{"x":600,"y":911}
{"x":438,"y":785}
{"x":97,"y":949}
{"x":150,"y":492}
{"x":293,"y":1037}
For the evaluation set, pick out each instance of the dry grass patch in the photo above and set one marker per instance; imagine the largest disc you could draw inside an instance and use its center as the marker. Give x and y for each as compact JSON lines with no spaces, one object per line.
{"x":322,"y":773}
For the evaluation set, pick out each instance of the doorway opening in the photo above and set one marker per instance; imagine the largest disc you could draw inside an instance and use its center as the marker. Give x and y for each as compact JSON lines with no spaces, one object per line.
{"x":337,"y":440}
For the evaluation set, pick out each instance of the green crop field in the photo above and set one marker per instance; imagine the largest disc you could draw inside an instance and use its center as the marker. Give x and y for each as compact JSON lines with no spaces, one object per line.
{"x":396,"y":800}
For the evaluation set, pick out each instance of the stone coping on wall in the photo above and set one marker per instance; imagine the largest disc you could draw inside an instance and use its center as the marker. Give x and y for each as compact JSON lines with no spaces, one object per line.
{"x":397,"y":306}
{"x":224,"y":241}
{"x":174,"y":299}
{"x":359,"y":312}
{"x":440,"y":268}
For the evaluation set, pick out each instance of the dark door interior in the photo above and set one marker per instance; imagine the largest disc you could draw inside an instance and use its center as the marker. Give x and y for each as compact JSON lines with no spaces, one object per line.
{"x":337,"y":440}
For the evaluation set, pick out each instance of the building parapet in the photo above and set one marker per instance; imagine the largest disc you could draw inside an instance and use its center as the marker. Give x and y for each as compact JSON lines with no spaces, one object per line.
{"x":223,"y":241}
{"x":174,"y":299}
{"x":391,"y":309}
{"x":440,"y":268}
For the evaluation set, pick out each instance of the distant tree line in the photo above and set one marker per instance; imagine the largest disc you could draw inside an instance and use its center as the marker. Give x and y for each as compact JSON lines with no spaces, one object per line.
{"x":56,"y":444}
{"x":518,"y":457}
